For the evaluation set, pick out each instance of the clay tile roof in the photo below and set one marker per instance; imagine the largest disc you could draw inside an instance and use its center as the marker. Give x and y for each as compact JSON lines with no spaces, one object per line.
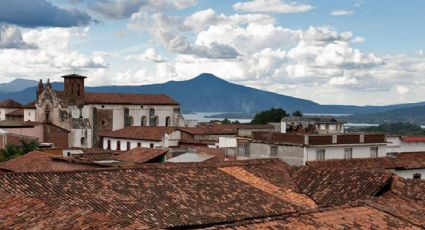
{"x":9,"y":103}
{"x":18,"y":112}
{"x":413,"y":139}
{"x":37,"y":161}
{"x":334,"y":187}
{"x":140,"y":155}
{"x":129,"y":99}
{"x":362,"y":217}
{"x":154,"y":196}
{"x":17,"y":123}
{"x":30,"y":105}
{"x":139,"y":133}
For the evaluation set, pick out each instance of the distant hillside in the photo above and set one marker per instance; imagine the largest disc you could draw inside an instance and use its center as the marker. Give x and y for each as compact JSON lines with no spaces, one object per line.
{"x":208,"y":93}
{"x":415,"y":115}
{"x":16,"y":85}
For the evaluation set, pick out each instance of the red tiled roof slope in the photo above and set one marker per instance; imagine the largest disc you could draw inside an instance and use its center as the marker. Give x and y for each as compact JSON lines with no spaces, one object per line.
{"x":159,"y":196}
{"x":333,"y":187}
{"x":37,"y":161}
{"x":140,"y":155}
{"x":9,"y":103}
{"x":139,"y":133}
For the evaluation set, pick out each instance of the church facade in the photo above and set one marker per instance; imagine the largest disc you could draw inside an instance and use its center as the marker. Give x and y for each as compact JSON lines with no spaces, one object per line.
{"x":86,"y":114}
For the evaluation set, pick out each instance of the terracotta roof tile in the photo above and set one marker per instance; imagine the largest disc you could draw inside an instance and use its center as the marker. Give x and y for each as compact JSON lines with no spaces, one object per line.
{"x":37,"y":161}
{"x":157,"y":196}
{"x":342,"y":218}
{"x":333,"y":187}
{"x":139,"y":133}
{"x":413,"y":139}
{"x":9,"y":103}
{"x":140,"y":155}
{"x":18,"y":112}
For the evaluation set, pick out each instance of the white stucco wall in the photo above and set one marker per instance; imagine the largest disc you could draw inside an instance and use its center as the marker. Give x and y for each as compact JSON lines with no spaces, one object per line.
{"x":227,"y":142}
{"x":135,"y":111}
{"x":133,"y":143}
{"x":77,"y":134}
{"x":337,"y":151}
{"x":29,"y":114}
{"x":396,"y":145}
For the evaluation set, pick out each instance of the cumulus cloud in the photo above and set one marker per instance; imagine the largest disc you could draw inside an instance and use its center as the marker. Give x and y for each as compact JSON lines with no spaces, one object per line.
{"x":272,"y":6}
{"x":342,"y":12}
{"x":402,"y":90}
{"x":120,"y":9}
{"x":53,"y":57}
{"x":167,"y":30}
{"x":40,"y":13}
{"x":149,"y":55}
{"x":201,"y":20}
{"x":11,"y":38}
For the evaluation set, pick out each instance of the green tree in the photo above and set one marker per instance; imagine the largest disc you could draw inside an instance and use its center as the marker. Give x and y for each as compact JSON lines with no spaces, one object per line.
{"x":226,"y":121}
{"x":297,"y":114}
{"x":235,"y":122}
{"x":10,"y":151}
{"x":28,"y":147}
{"x":272,"y":115}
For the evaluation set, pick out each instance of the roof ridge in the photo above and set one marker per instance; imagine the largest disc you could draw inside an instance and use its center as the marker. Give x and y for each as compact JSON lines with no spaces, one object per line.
{"x":153,"y":166}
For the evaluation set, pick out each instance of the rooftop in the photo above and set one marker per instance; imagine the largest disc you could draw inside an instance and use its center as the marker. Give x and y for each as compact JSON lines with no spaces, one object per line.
{"x":37,"y":161}
{"x":9,"y":103}
{"x":139,"y":133}
{"x":248,"y":194}
{"x":125,"y":98}
{"x":141,"y":155}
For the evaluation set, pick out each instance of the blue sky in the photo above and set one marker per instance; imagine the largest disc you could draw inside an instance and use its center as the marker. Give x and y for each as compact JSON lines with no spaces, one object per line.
{"x":333,"y":52}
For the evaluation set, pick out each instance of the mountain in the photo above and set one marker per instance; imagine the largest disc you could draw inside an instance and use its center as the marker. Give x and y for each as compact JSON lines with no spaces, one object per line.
{"x":208,"y":93}
{"x":409,"y":115}
{"x":17,"y":85}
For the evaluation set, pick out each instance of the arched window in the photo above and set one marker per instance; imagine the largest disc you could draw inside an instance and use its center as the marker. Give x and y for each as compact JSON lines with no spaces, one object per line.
{"x":72,"y":89}
{"x":83,"y":141}
{"x":167,"y":121}
{"x":143,"y":121}
{"x":130,"y":121}
{"x":155,"y":121}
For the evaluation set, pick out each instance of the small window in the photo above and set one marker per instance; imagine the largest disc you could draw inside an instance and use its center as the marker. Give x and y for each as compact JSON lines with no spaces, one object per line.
{"x":83,"y":141}
{"x":374,"y":152}
{"x":243,"y":150}
{"x":128,"y":145}
{"x":348,"y":153}
{"x":68,"y":154}
{"x":143,"y":121}
{"x":139,"y":144}
{"x":109,"y":145}
{"x":417,"y":176}
{"x":167,"y":121}
{"x":273,"y":150}
{"x":320,"y":154}
{"x":118,"y":145}
{"x":130,"y":121}
{"x":151,"y":145}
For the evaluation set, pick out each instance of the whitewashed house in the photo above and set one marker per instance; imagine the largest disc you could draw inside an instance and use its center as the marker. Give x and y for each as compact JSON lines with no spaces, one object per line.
{"x":297,"y":149}
{"x":403,"y":144}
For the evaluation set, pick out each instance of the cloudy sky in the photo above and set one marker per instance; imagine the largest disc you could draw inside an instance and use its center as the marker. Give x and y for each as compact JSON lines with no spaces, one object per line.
{"x":333,"y":52}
